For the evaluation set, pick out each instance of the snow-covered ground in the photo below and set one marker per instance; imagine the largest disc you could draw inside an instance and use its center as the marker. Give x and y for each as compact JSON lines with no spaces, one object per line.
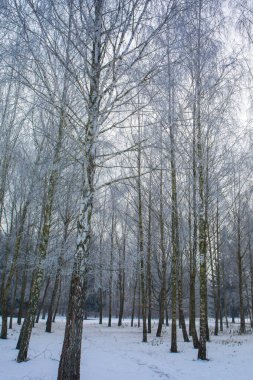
{"x":117,"y":353}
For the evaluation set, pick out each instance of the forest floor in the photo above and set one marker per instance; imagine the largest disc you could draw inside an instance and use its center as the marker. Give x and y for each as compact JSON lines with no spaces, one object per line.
{"x":117,"y":353}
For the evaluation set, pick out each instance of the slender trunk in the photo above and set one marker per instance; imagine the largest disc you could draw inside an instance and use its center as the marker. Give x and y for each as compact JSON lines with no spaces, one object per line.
{"x":174,"y":225}
{"x":226,"y":314}
{"x":111,"y":272}
{"x":206,"y":206}
{"x":121,"y":302}
{"x":122,"y":283}
{"x":57,"y":303}
{"x":175,"y":253}
{"x":100,"y":284}
{"x":207,"y":324}
{"x":163,"y":271}
{"x":240,"y":276}
{"x":43,"y":300}
{"x":218,"y":274}
{"x":180,"y":302}
{"x":216,"y":328}
{"x":219,"y":294}
{"x":139,"y":303}
{"x":203,"y":285}
{"x":100,"y":306}
{"x":149,"y":257}
{"x":225,"y":306}
{"x":193,"y":241}
{"x":233,"y":311}
{"x":110,"y":301}
{"x":133,"y":304}
{"x":167,"y":315}
{"x":23,"y":285}
{"x":141,"y":239}
{"x":214,"y":284}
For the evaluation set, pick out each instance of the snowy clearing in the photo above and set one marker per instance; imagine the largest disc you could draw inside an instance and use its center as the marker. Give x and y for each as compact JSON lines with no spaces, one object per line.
{"x":118,"y":353}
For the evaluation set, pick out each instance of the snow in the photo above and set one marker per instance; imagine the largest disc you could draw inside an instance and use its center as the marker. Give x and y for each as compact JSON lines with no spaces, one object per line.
{"x":118,"y":353}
